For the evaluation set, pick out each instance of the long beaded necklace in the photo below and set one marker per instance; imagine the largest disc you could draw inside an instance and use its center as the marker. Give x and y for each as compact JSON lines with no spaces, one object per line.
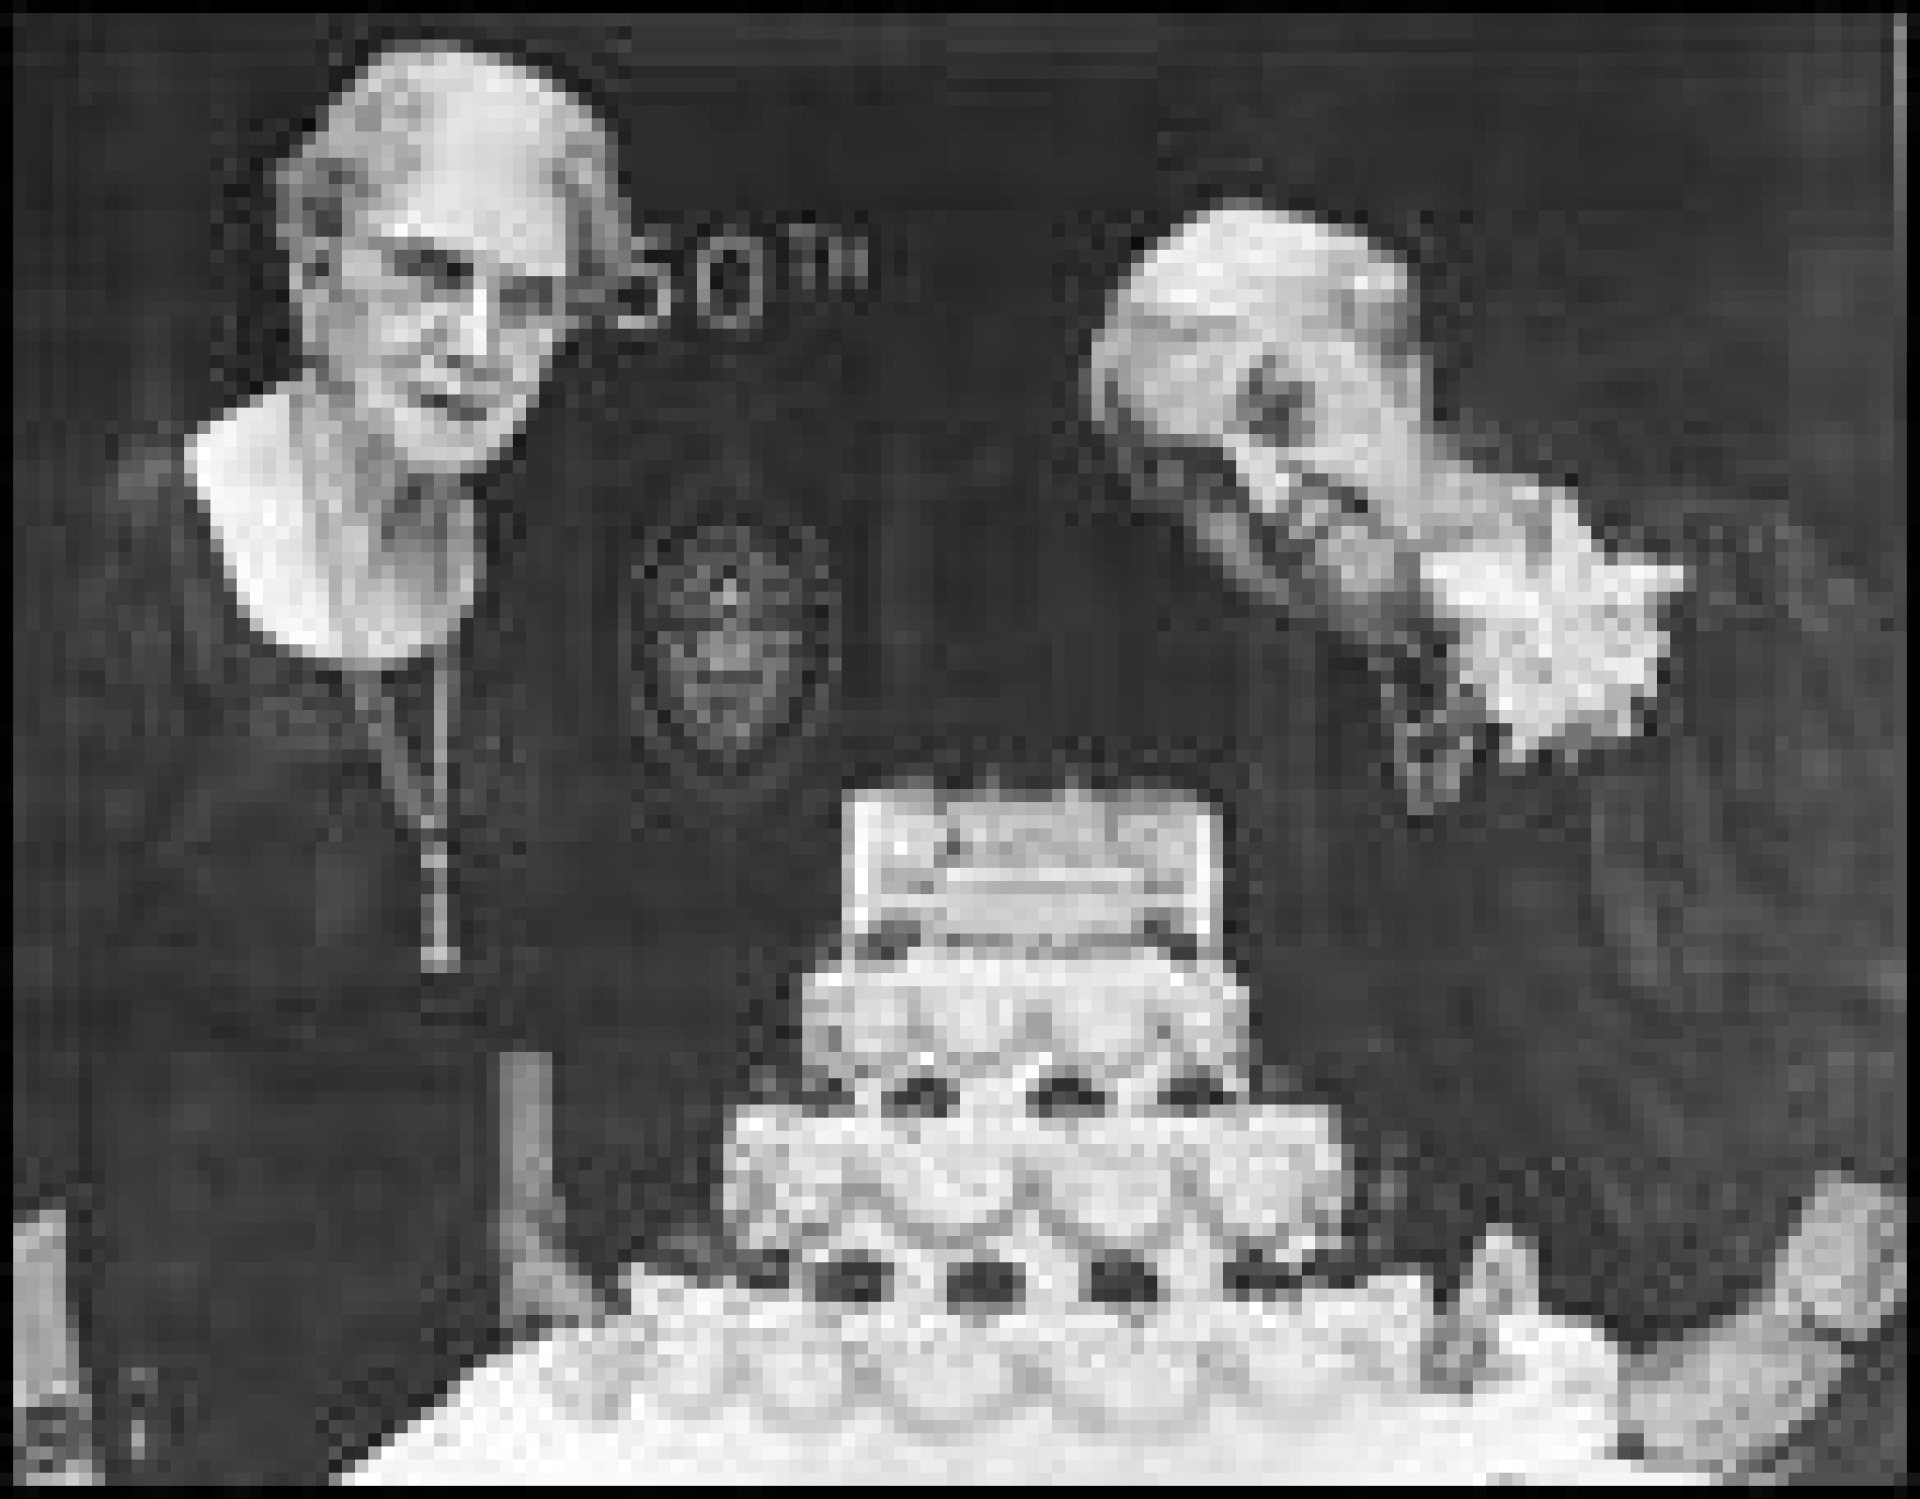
{"x":1431,"y":750}
{"x":423,"y":799}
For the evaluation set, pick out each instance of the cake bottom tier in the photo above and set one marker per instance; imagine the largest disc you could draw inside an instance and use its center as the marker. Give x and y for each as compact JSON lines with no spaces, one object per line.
{"x":524,"y":1419}
{"x":499,"y":1429}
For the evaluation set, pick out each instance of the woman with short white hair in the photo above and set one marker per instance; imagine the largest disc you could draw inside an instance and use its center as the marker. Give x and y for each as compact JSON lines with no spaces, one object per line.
{"x":1691,"y":722}
{"x":316,"y":791}
{"x":448,"y":226}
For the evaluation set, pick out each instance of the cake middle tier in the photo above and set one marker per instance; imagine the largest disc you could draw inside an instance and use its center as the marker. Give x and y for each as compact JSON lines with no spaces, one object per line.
{"x":941,"y":1008}
{"x":1271,"y":1173}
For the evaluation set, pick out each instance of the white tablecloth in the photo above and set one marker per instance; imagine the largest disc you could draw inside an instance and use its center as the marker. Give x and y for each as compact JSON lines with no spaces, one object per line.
{"x":504,"y":1426}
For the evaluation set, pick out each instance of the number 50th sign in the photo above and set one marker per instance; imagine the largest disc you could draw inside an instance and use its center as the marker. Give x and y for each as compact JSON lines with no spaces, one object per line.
{"x":729,"y":279}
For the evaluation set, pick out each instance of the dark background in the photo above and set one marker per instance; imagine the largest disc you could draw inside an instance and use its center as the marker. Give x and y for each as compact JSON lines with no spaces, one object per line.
{"x":1669,"y":239}
{"x":1663,"y":251}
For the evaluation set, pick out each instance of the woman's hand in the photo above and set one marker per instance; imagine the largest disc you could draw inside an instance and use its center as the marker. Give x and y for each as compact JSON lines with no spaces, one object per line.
{"x":1730,"y":1396}
{"x":1844,"y":1269}
{"x":554,"y":1292}
{"x":541,"y":1286}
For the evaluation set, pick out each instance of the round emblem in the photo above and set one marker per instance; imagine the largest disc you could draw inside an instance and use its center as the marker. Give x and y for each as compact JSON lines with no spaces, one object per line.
{"x":732,"y":643}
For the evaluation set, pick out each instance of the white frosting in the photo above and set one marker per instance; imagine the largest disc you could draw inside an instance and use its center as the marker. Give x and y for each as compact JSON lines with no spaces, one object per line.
{"x":1160,"y":1372}
{"x":1270,"y":1173}
{"x":1054,"y":1268}
{"x":947,"y":1179}
{"x":918,"y":1263}
{"x":1063,"y":867}
{"x":720,"y":1386}
{"x":1113,"y":1182}
{"x":965,"y":1013}
{"x":500,"y":1426}
{"x":1109,"y":1375}
{"x":948,"y":1380}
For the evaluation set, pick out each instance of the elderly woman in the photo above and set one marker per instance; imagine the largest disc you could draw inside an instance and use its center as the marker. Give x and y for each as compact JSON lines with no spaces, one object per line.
{"x":315,"y":787}
{"x":1683,"y":732}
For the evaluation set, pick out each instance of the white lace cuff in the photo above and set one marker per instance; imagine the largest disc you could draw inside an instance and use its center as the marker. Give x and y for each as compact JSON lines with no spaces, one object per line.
{"x":1561,"y":650}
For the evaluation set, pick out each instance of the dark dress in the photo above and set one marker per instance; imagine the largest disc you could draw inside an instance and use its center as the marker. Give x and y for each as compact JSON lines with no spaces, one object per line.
{"x":1624,"y":1008}
{"x":1633,"y":1007}
{"x":281,"y":1145}
{"x":1667,"y":985}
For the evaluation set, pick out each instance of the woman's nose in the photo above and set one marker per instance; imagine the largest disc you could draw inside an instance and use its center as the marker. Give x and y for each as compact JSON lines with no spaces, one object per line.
{"x":475,"y":335}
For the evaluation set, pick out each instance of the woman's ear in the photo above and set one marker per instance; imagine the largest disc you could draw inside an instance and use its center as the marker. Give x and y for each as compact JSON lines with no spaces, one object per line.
{"x":311,"y":271}
{"x":310,"y":286}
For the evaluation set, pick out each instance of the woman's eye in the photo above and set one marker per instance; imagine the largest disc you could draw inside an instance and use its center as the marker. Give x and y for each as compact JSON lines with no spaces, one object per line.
{"x":435,"y":270}
{"x":1276,"y":408}
{"x":531,"y":299}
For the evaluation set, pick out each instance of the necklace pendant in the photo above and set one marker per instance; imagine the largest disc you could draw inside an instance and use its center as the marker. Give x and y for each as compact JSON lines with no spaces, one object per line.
{"x":438,"y":953}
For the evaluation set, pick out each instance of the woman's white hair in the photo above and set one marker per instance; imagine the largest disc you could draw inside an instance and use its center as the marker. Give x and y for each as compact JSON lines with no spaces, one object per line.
{"x":1219,"y":295}
{"x":376,"y":133}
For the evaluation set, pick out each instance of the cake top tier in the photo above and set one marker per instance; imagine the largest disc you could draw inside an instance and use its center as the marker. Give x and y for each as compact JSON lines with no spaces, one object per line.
{"x":995,"y":863}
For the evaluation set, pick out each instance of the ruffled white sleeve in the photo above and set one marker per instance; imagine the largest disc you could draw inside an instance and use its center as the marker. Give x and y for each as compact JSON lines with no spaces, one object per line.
{"x":1559,"y":647}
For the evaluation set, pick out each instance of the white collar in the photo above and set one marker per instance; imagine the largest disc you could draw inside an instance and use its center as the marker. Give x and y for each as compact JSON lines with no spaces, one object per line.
{"x":261,"y":535}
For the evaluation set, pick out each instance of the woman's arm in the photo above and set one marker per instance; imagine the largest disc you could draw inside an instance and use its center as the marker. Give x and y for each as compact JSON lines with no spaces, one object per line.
{"x":1736,"y":1394}
{"x":96,"y":731}
{"x":1763,"y":827}
{"x":101,"y":743}
{"x":539,"y":1284}
{"x":1748,"y":866}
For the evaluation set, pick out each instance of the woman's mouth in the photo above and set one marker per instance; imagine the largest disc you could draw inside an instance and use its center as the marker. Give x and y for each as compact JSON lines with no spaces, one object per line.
{"x":463,"y":409}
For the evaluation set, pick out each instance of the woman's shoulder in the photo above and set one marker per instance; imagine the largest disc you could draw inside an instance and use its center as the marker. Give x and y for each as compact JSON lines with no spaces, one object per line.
{"x":132,"y":573}
{"x":1755,"y":553}
{"x":1767,"y":584}
{"x":1778,"y":626}
{"x":1753,"y":536}
{"x":133,"y":512}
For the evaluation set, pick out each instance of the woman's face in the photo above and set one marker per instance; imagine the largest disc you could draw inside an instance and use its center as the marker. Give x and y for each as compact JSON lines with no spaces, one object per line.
{"x":444,"y":306}
{"x":1292,"y":497}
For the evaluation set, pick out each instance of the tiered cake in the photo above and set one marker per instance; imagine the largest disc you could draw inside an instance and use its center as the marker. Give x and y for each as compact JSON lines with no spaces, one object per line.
{"x":1030,"y":1181}
{"x":1027,"y":1215}
{"x":1028,"y":1122}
